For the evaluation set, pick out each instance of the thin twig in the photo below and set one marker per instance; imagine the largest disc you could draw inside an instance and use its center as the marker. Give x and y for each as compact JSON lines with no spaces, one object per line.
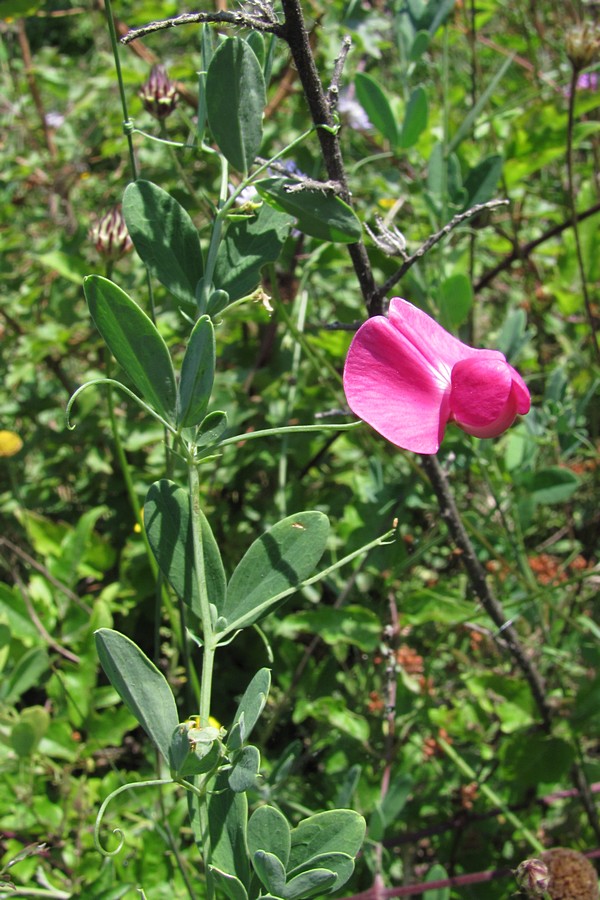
{"x":238,"y":19}
{"x":333,"y":91}
{"x":433,"y":240}
{"x":521,"y":251}
{"x":71,"y":595}
{"x":477,"y":578}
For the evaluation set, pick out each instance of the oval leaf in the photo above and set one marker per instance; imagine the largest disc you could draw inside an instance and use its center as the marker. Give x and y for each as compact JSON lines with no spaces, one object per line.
{"x":333,"y":831}
{"x":134,"y":341}
{"x":169,"y":528}
{"x":244,"y":771}
{"x":268,"y":830}
{"x":374,"y":102}
{"x":197,"y":374}
{"x":415,"y":118}
{"x":248,"y":246}
{"x":274,"y":566}
{"x":141,"y":687}
{"x":250,"y":707}
{"x":236,"y":98}
{"x":270,"y":871}
{"x":320,"y":215}
{"x":165,"y":238}
{"x":309,"y":884}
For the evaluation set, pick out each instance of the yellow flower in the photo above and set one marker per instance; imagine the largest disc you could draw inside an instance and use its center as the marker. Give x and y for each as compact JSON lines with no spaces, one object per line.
{"x":10,"y":443}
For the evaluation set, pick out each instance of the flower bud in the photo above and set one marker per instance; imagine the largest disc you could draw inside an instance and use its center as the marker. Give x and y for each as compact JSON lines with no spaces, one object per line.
{"x":533,"y":877}
{"x":582,"y":45}
{"x":110,"y":236}
{"x":159,"y":94}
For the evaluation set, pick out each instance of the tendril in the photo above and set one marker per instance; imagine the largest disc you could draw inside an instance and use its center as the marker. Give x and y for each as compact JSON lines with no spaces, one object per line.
{"x":119,"y":831}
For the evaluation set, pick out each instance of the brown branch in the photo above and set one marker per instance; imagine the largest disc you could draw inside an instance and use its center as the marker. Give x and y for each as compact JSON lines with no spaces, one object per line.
{"x":296,"y":37}
{"x":493,"y":607}
{"x":238,"y":19}
{"x":522,"y":251}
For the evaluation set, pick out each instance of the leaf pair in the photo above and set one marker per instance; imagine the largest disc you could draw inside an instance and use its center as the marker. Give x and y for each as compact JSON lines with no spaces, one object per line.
{"x":272,"y":568}
{"x":136,"y":344}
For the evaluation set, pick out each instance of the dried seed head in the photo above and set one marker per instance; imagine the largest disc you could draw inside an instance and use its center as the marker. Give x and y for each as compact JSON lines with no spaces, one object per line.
{"x":533,"y":877}
{"x":110,"y":236}
{"x":582,"y":45}
{"x":572,"y":876}
{"x":159,"y":94}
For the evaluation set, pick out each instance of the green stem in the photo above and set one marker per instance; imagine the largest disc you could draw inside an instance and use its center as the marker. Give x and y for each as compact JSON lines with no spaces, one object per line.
{"x":574,"y":217}
{"x":209,"y":643}
{"x":126,"y":121}
{"x":287,"y":429}
{"x":491,"y":795}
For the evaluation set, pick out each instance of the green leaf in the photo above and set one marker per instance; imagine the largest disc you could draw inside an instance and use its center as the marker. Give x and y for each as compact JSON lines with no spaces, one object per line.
{"x":197,"y":374}
{"x":168,"y":525}
{"x":229,"y":885}
{"x":554,"y":484}
{"x":482,"y":180}
{"x":250,"y":708}
{"x":142,"y":688}
{"x":247,"y":247}
{"x":320,"y":215}
{"x":236,"y":98}
{"x":70,"y":266}
{"x":374,"y":102}
{"x":419,"y":45}
{"x":26,"y":673}
{"x":270,"y":871}
{"x":274,"y":566}
{"x":455,"y":301}
{"x":415,"y":118}
{"x":309,"y":884}
{"x":211,"y":428}
{"x":165,"y":238}
{"x":244,"y":771}
{"x":341,"y":864}
{"x":333,"y":831}
{"x":29,"y":730}
{"x":268,"y":830}
{"x":134,"y":341}
{"x":437,"y":873}
{"x":227,"y":820}
{"x":387,"y":810}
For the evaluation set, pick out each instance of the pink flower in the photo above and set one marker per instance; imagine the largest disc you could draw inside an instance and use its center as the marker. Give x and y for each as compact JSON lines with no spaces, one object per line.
{"x":407,"y":378}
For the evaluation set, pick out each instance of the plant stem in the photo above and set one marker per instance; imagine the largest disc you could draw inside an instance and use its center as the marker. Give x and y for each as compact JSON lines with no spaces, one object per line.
{"x":126,"y":121}
{"x":209,"y":646}
{"x":574,"y":217}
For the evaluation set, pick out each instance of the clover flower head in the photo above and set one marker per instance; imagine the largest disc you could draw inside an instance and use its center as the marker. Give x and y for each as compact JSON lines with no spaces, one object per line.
{"x":110,"y":235}
{"x":159,"y":93}
{"x":407,"y":377}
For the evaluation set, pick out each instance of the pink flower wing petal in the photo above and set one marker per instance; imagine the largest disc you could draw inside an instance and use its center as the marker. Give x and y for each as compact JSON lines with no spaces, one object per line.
{"x":521,"y":391}
{"x":390,"y":385}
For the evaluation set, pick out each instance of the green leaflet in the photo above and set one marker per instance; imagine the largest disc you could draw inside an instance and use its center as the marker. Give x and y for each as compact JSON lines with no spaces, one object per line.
{"x":135,"y":343}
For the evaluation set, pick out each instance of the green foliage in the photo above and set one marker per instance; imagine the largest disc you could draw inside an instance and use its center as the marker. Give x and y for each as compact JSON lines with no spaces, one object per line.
{"x":336,"y":700}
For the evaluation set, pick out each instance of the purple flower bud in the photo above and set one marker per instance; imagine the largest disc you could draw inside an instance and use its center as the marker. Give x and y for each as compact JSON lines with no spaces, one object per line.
{"x":159,"y":94}
{"x":110,"y":236}
{"x":533,"y":877}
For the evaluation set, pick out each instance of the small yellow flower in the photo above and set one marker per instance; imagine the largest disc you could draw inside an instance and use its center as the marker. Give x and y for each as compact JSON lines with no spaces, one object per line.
{"x":10,"y":443}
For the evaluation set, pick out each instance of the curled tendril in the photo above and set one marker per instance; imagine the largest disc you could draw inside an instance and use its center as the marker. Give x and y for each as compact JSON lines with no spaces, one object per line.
{"x":118,"y":831}
{"x":121,"y":387}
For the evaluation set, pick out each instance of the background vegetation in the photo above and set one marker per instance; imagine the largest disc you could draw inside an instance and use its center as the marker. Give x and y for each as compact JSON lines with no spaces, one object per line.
{"x":393,"y":692}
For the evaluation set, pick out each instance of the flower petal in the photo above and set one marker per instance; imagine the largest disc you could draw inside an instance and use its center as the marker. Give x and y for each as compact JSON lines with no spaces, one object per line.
{"x":484,"y":399}
{"x":439,"y":347}
{"x":393,"y":387}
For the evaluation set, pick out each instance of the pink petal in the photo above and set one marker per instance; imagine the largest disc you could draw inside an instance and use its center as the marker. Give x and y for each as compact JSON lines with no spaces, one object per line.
{"x":391,"y":385}
{"x":484,"y":400}
{"x":522,"y":395}
{"x":434,"y":342}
